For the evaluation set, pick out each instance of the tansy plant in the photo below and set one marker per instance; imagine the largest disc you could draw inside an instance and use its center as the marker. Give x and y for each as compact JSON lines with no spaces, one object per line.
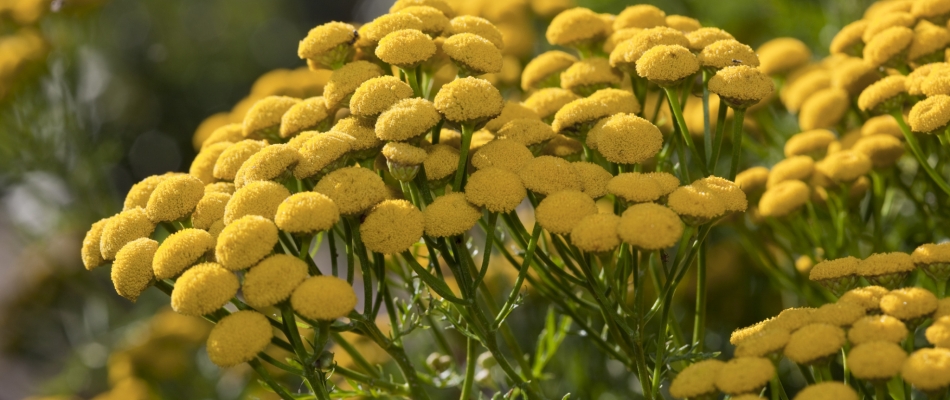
{"x":596,"y":185}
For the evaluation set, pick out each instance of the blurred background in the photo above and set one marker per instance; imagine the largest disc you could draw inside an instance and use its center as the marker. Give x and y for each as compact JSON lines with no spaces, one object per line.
{"x":96,"y":95}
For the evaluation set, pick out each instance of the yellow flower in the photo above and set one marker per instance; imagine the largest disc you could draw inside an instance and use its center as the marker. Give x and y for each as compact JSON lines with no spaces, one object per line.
{"x":928,"y":370}
{"x":392,"y":226}
{"x":834,"y":269}
{"x":827,"y":391}
{"x":561,"y":211}
{"x":546,"y":175}
{"x":930,"y":115}
{"x":849,"y":38}
{"x":450,"y":215}
{"x":882,"y":149}
{"x":227,"y":133}
{"x":813,"y":143}
{"x":682,"y":23}
{"x":308,"y":115}
{"x":181,"y":250}
{"x":909,"y":304}
{"x":727,"y":53}
{"x":132,"y":269}
{"x":640,"y":16}
{"x":495,"y":189}
{"x":238,"y":338}
{"x":744,"y":375}
{"x":374,"y":31}
{"x":208,"y":126}
{"x":441,"y":161}
{"x":763,"y":343}
{"x":594,"y":178}
{"x":924,"y":255}
{"x":781,"y":55}
{"x":929,"y":39}
{"x":888,"y":45}
{"x":440,"y":5}
{"x":526,"y":131}
{"x":792,"y":319}
{"x":838,"y":314}
{"x":547,"y":101}
{"x":635,"y":187}
{"x":727,"y":192}
{"x":323,"y":41}
{"x":884,"y":95}
{"x":626,"y":139}
{"x":783,"y":198}
{"x":929,"y":8}
{"x":202,"y":167}
{"x":407,"y":119}
{"x":256,"y":198}
{"x":938,"y":333}
{"x":666,"y":65}
{"x":702,"y":37}
{"x":876,"y":328}
{"x":202,"y":289}
{"x":796,"y":92}
{"x":649,"y":226}
{"x":512,"y":111}
{"x":627,"y":53}
{"x":122,"y":228}
{"x":823,"y":109}
{"x":209,"y":209}
{"x":91,"y":255}
{"x":434,"y":20}
{"x":273,"y":280}
{"x":323,"y":153}
{"x":603,"y":103}
{"x":363,"y":134}
{"x":844,"y":165}
{"x":344,"y":81}
{"x":697,"y":380}
{"x":753,"y":179}
{"x":306,"y":212}
{"x":502,"y":153}
{"x":468,"y":100}
{"x":245,"y":241}
{"x":323,"y":298}
{"x":229,"y":162}
{"x":696,"y":205}
{"x":885,"y":265}
{"x":563,"y":147}
{"x":792,"y":168}
{"x":263,"y":118}
{"x":478,"y":26}
{"x":406,"y":48}
{"x":814,"y":342}
{"x":473,"y":53}
{"x":853,"y":75}
{"x":575,"y":27}
{"x":377,"y":95}
{"x":883,"y":22}
{"x":868,"y":297}
{"x":353,"y":189}
{"x":140,"y":192}
{"x":544,"y":70}
{"x":618,"y":37}
{"x":596,"y":233}
{"x":741,"y":86}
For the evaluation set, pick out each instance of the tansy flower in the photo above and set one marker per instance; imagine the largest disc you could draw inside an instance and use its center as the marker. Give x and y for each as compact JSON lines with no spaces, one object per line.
{"x":407,"y":119}
{"x":640,"y":16}
{"x":527,"y":131}
{"x":753,"y":179}
{"x":682,"y":23}
{"x":882,"y":149}
{"x":364,"y":134}
{"x":502,"y":153}
{"x":268,"y":164}
{"x":344,"y":81}
{"x":763,"y":343}
{"x":328,"y":44}
{"x":576,"y":27}
{"x":667,"y":181}
{"x":877,"y":328}
{"x":813,"y":343}
{"x":450,"y":215}
{"x":727,"y":192}
{"x":306,"y":212}
{"x":929,"y":40}
{"x":596,"y":233}
{"x":882,"y":124}
{"x":886,"y":269}
{"x":618,"y":37}
{"x":666,"y":65}
{"x":202,"y":289}
{"x":741,"y":86}
{"x":887,"y":46}
{"x":434,"y":21}
{"x":563,"y":147}
{"x":468,"y":100}
{"x":403,"y":160}
{"x":587,"y":76}
{"x":546,"y":175}
{"x":478,"y":26}
{"x":792,"y":168}
{"x":579,"y":114}
{"x":727,"y":53}
{"x":273,"y":280}
{"x":323,"y":298}
{"x":122,"y":228}
{"x":352,"y":189}
{"x":929,"y":9}
{"x":202,"y":167}
{"x":216,"y":228}
{"x":91,"y":255}
{"x":511,"y":111}
{"x":702,"y":37}
{"x":849,"y":39}
{"x":930,"y":115}
{"x":928,"y":370}
{"x":740,"y":335}
{"x":132,"y":268}
{"x":827,"y":391}
{"x":783,"y":198}
{"x":933,"y":259}
{"x":227,"y":133}
{"x":299,"y":139}
{"x":883,"y":96}
{"x":791,"y":319}
{"x":695,"y":205}
{"x":378,"y":94}
{"x":181,"y":250}
{"x":853,"y":75}
{"x":174,"y":198}
{"x":441,"y":161}
{"x":781,"y":55}
{"x":837,"y":275}
{"x":909,"y":304}
{"x":794,"y":94}
{"x":495,"y":189}
{"x":868,"y":297}
{"x":440,"y":5}
{"x":229,"y":162}
{"x":844,"y":165}
{"x":323,"y":153}
{"x":594,"y":178}
{"x":883,"y":22}
{"x":627,"y":139}
{"x":371,"y":33}
{"x":263,"y":118}
{"x":936,"y":82}
{"x":813,"y":143}
{"x":823,"y":109}
{"x":744,"y":375}
{"x":838,"y":314}
{"x":938,"y":333}
{"x":547,"y":101}
{"x":649,"y":226}
{"x":245,"y":241}
{"x":474,"y":54}
{"x":561,"y":211}
{"x":392,"y":226}
{"x":238,"y":338}
{"x":308,"y":115}
{"x":697,"y":380}
{"x":627,"y":53}
{"x":915,"y":79}
{"x":635,"y":187}
{"x":256,"y":198}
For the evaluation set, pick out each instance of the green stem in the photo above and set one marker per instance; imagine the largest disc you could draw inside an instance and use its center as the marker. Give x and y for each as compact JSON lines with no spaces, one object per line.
{"x":877,"y":205}
{"x":699,"y":323}
{"x":395,"y":389}
{"x":489,"y":242}
{"x":467,"y":131}
{"x":470,"y":359}
{"x":684,"y":131}
{"x":516,"y":289}
{"x":355,"y":354}
{"x":918,"y":153}
{"x":265,"y":376}
{"x":720,"y":133}
{"x":880,"y":391}
{"x":738,"y":116}
{"x":365,"y":266}
{"x":707,"y":137}
{"x":413,"y":81}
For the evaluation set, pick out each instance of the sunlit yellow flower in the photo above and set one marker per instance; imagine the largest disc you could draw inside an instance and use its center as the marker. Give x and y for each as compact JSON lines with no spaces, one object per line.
{"x":502,"y":153}
{"x":469,"y":99}
{"x":930,"y":114}
{"x":702,"y":37}
{"x":273,"y":280}
{"x":697,"y":380}
{"x":763,"y":343}
{"x":352,"y":189}
{"x":877,"y":328}
{"x":374,"y":31}
{"x":838,"y":314}
{"x":561,"y":211}
{"x":377,"y":95}
{"x":682,"y":23}
{"x":814,"y":342}
{"x":263,"y":118}
{"x":256,"y":198}
{"x":323,"y":298}
{"x":344,"y":81}
{"x":727,"y":53}
{"x":888,"y":45}
{"x":392,"y":226}
{"x":627,"y":139}
{"x":602,"y":103}
{"x":328,"y":44}
{"x":868,"y":297}
{"x":823,"y":109}
{"x":884,"y":95}
{"x":229,"y":162}
{"x":909,"y":304}
{"x":938,"y":333}
{"x":596,"y":233}
{"x":441,"y":161}
{"x":308,"y":115}
{"x":640,"y":16}
{"x":576,"y":26}
{"x":181,"y":250}
{"x":238,"y":338}
{"x":123,"y":228}
{"x":783,"y":198}
{"x":440,"y":5}
{"x":667,"y":64}
{"x":140,"y":192}
{"x":473,"y":53}
{"x":495,"y":189}
{"x":649,"y":226}
{"x":245,"y":241}
{"x":202,"y":167}
{"x":929,"y":8}
{"x":91,"y":255}
{"x":132,"y":269}
{"x":306,"y":212}
{"x":594,"y":178}
{"x":546,"y":175}
{"x":741,"y":86}
{"x":725,"y":191}
{"x":434,"y":20}
{"x":628,"y":52}
{"x":928,"y":370}
{"x":827,"y":391}
{"x":203,"y":289}
{"x":929,"y":41}
{"x":883,"y":22}
{"x":849,"y":38}
{"x":695,"y":205}
{"x":744,"y":375}
{"x":781,"y":55}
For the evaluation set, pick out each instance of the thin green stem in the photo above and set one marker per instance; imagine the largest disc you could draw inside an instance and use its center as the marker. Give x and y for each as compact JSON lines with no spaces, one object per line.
{"x":880,"y":391}
{"x":265,"y":376}
{"x":738,"y":116}
{"x":486,"y":252}
{"x":413,"y":81}
{"x":355,"y":354}
{"x":918,"y":153}
{"x":467,"y":131}
{"x":720,"y":133}
{"x":699,"y":322}
{"x":684,"y":131}
{"x":707,"y":136}
{"x":470,"y":359}
{"x":516,"y":289}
